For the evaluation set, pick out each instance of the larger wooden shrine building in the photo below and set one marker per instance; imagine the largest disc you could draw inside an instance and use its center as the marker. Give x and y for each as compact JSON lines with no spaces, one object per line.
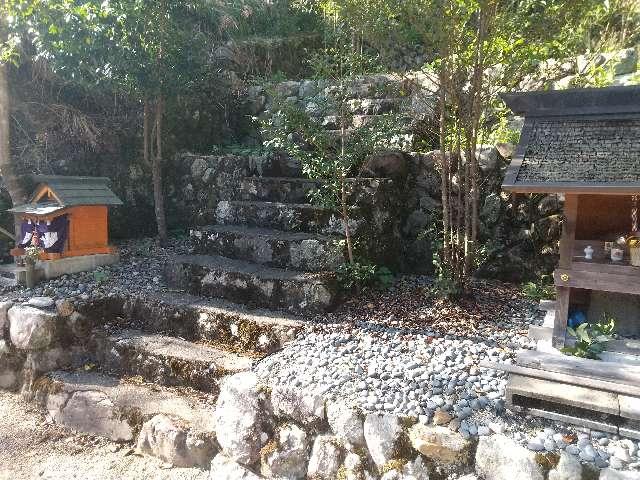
{"x":66,"y":219}
{"x":584,"y":146}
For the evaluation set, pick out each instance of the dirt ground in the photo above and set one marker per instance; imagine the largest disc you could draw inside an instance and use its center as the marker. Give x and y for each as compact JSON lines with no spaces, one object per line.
{"x":32,"y":448}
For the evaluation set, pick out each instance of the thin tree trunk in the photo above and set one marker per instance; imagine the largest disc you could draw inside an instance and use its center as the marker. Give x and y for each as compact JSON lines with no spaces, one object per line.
{"x":343,"y":190}
{"x":146,"y":135}
{"x":156,"y":173}
{"x":444,"y":170}
{"x":7,"y":168}
{"x":345,"y":219}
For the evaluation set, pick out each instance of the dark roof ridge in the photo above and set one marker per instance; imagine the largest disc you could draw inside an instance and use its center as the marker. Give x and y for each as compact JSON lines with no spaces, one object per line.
{"x":575,"y":102}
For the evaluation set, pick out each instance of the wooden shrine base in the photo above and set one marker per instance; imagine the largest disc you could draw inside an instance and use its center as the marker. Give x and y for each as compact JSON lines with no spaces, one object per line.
{"x":599,"y":395}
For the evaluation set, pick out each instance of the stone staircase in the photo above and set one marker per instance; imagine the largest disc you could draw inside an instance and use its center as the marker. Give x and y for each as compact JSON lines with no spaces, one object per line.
{"x":268,"y":246}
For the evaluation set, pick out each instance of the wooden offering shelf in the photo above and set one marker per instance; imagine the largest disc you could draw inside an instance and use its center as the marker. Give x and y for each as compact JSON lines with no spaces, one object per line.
{"x":606,"y":278}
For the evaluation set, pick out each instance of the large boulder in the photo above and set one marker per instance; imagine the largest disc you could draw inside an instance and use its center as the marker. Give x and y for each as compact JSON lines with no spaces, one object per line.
{"x":41,"y":302}
{"x":500,"y":458}
{"x":239,"y":417}
{"x":4,"y":319}
{"x":326,"y":458}
{"x":386,"y":164}
{"x":568,"y":468}
{"x":610,"y":474}
{"x":440,"y":444}
{"x":415,"y":470}
{"x":224,"y":468}
{"x":79,"y":325}
{"x":43,"y":361}
{"x":303,"y":407}
{"x":89,"y":411}
{"x":347,"y":424}
{"x":174,"y":442}
{"x":11,"y":364}
{"x":287,"y":455}
{"x":31,"y":328}
{"x":385,"y":437}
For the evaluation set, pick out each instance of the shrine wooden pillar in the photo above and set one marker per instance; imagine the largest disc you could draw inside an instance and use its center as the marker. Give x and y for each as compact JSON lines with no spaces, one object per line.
{"x":563,"y":293}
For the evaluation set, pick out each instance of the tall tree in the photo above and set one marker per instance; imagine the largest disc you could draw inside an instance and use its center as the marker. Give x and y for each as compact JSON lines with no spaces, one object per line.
{"x":476,"y":48}
{"x":149,"y":49}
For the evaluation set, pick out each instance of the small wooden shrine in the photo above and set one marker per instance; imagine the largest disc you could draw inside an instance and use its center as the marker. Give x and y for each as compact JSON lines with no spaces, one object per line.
{"x":67,"y":217}
{"x":584,"y":146}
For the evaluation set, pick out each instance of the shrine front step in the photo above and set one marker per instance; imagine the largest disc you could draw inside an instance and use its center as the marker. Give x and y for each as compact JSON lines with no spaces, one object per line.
{"x":288,"y":217}
{"x":229,"y":325}
{"x":252,"y":284}
{"x":296,"y":250}
{"x":166,"y":360}
{"x":586,"y":407}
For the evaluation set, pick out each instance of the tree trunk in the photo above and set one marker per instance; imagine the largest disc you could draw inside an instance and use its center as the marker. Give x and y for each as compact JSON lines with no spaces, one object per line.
{"x":7,"y":168}
{"x":156,"y":173}
{"x":146,"y":135}
{"x":343,"y":189}
{"x":444,"y":170}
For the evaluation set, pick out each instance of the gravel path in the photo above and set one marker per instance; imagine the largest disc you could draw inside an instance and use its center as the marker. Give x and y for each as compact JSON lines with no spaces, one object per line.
{"x":31,"y":448}
{"x":404,"y":353}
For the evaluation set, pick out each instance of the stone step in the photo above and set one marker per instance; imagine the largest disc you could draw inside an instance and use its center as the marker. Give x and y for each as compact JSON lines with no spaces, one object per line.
{"x":167,"y":360}
{"x":276,"y":189}
{"x":195,"y":318}
{"x":289,"y":217}
{"x":252,"y":284}
{"x":275,"y":248}
{"x":298,"y":190}
{"x":98,"y":404}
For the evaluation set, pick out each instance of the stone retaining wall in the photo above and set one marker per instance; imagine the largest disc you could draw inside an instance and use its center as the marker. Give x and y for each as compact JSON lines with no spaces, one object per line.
{"x":281,"y":432}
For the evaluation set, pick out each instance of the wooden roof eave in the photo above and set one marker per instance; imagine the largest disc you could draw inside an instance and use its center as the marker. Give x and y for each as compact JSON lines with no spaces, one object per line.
{"x":575,"y":188}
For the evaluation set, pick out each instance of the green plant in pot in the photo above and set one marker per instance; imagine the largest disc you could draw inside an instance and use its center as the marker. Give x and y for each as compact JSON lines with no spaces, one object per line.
{"x":31,"y":256}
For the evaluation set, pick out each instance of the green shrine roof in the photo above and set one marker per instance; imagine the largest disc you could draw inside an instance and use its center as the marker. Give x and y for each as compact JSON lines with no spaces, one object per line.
{"x":70,"y":191}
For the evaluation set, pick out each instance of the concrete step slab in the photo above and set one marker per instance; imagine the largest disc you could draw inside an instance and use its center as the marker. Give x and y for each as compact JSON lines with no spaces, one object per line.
{"x":98,"y":404}
{"x":274,"y":248}
{"x":252,"y":284}
{"x":167,"y":360}
{"x":231,"y":325}
{"x":289,"y":217}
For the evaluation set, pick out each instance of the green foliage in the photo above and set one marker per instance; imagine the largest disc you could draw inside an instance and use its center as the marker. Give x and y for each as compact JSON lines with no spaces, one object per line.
{"x":143,"y":47}
{"x":295,"y":131}
{"x":101,"y":276}
{"x":595,"y":76}
{"x":363,"y":274}
{"x":591,"y":339}
{"x":501,"y":131}
{"x":540,"y":290}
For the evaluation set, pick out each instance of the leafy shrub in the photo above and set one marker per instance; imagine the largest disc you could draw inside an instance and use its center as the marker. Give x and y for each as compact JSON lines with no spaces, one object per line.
{"x":591,"y":339}
{"x":363,"y":274}
{"x":541,"y":290}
